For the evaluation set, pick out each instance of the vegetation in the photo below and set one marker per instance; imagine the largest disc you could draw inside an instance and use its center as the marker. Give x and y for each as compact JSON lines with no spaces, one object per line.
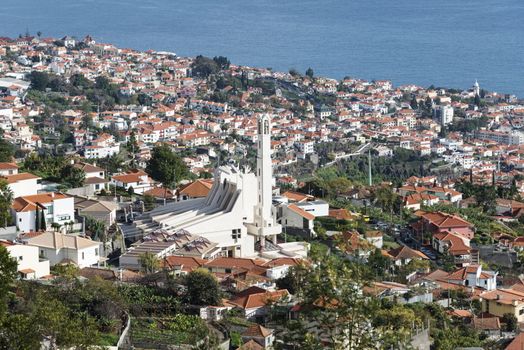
{"x":166,"y":167}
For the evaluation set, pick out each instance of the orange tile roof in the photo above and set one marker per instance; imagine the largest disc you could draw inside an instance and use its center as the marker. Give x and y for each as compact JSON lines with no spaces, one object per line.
{"x":7,"y":166}
{"x":405,"y":252}
{"x":294,"y":208}
{"x":258,"y":299}
{"x":517,"y":343}
{"x":257,"y":331}
{"x":197,"y":189}
{"x":297,"y":196}
{"x":29,"y":203}
{"x":19,"y":177}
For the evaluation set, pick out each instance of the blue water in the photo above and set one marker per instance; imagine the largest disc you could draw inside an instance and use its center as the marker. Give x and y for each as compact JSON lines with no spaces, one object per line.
{"x":446,"y":42}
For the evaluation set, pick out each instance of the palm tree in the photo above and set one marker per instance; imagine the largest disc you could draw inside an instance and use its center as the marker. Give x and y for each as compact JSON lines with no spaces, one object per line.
{"x":149,"y":262}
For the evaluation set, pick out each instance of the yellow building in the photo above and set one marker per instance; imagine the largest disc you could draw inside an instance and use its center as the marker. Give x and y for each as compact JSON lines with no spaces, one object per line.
{"x":503,"y":301}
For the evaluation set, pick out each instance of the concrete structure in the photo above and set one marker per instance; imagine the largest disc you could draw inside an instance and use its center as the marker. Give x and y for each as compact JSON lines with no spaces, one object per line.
{"x":264,"y":225}
{"x":443,"y":114}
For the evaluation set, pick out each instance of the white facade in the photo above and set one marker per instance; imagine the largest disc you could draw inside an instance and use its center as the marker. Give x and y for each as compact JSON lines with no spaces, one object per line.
{"x":93,"y":152}
{"x":317,"y":208}
{"x":62,"y":248}
{"x":30,"y":266}
{"x":443,"y":114}
{"x":264,"y":224}
{"x":60,"y":210}
{"x":24,"y":187}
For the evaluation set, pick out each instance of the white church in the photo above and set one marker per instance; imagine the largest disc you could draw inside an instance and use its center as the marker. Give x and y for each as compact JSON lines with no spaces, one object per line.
{"x":237,"y":215}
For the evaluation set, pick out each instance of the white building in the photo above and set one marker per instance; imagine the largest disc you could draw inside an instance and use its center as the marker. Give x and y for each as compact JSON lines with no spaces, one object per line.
{"x":57,"y":207}
{"x":237,"y":214}
{"x":60,"y":248}
{"x":30,"y":265}
{"x":23,"y":184}
{"x":443,"y":114}
{"x":95,"y":152}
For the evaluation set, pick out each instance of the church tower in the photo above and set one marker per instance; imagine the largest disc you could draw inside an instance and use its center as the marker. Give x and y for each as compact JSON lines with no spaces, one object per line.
{"x":264,"y":225}
{"x":476,"y":88}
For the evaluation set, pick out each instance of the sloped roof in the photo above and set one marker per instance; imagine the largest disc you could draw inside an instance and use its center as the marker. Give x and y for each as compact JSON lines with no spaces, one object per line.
{"x":19,"y":177}
{"x":257,"y":331}
{"x":29,"y":203}
{"x":197,"y":189}
{"x":297,"y":210}
{"x":57,"y":240}
{"x":445,"y":221}
{"x":253,"y":345}
{"x":258,"y":299}
{"x":297,"y":196}
{"x":88,"y":168}
{"x":8,"y":166}
{"x":517,"y":343}
{"x":405,"y":252}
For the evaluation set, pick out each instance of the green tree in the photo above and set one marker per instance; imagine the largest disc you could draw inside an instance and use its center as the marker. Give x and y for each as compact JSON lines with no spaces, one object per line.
{"x":7,"y":151}
{"x":132,"y":148}
{"x":166,"y":167}
{"x":8,"y":274}
{"x":202,"y":288}
{"x":510,"y":322}
{"x":6,"y":198}
{"x":149,"y":262}
{"x":310,"y":73}
{"x":72,"y":176}
{"x":203,"y":67}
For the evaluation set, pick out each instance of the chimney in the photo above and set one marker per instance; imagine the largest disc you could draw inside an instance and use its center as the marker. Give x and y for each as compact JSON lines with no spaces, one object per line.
{"x":52,"y":195}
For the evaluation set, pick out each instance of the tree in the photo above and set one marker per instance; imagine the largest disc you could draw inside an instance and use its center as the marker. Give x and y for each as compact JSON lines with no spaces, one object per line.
{"x":202,"y":288}
{"x":8,"y":273}
{"x":72,"y":176}
{"x":149,"y":262}
{"x":7,"y":151}
{"x":310,"y":73}
{"x":203,"y":67}
{"x":222,"y":62}
{"x":510,"y":322}
{"x":166,"y":167}
{"x":43,"y":224}
{"x":6,"y":198}
{"x":39,"y":80}
{"x":132,"y":147}
{"x":414,"y":103}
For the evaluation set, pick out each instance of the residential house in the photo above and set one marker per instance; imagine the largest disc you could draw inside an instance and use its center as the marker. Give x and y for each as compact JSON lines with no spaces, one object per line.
{"x":22,"y":184}
{"x":473,"y":276}
{"x":95,"y":179}
{"x":103,"y":211}
{"x":8,"y":168}
{"x":456,"y":246}
{"x":503,"y":301}
{"x":253,"y":302}
{"x":136,"y":179}
{"x":403,"y":255}
{"x":262,"y":335}
{"x":57,"y":208}
{"x":62,"y":248}
{"x":30,"y":265}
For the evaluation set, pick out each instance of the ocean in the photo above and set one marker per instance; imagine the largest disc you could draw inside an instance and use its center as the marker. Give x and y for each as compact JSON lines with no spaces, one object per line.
{"x":445,"y":43}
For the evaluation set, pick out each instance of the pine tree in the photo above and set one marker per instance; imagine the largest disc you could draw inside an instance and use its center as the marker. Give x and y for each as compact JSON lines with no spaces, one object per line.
{"x":43,"y":225}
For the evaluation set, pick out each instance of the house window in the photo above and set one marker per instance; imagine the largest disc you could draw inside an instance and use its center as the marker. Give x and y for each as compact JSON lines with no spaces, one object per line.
{"x":521,"y":311}
{"x":96,"y":251}
{"x":20,"y":258}
{"x":83,"y":256}
{"x":50,"y":210}
{"x":228,"y":270}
